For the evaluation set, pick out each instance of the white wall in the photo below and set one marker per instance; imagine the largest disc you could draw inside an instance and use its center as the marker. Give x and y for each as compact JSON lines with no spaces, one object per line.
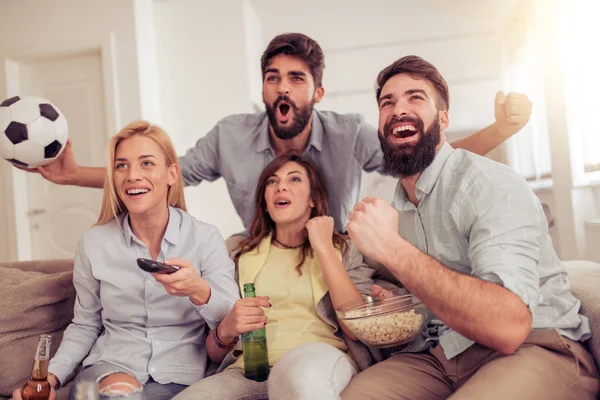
{"x":31,"y":29}
{"x":592,"y":228}
{"x":254,"y":50}
{"x":145,"y":40}
{"x":8,"y":247}
{"x":203,"y":72}
{"x":355,"y":24}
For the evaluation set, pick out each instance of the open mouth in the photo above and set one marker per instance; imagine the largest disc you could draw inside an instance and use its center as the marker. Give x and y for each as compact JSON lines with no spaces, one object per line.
{"x":137,"y":192}
{"x":403,"y":133}
{"x":281,"y":202}
{"x":283,"y":112}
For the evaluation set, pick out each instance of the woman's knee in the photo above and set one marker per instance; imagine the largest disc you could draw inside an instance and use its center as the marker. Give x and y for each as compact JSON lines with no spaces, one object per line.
{"x":310,"y":370}
{"x":119,"y":383}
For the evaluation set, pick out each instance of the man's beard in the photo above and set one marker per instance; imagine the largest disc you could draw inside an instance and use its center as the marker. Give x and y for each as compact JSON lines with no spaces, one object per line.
{"x":296,"y":124}
{"x":401,"y":160}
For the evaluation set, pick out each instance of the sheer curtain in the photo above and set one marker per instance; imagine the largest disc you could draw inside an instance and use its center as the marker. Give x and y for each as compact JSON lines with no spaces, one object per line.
{"x":529,"y":150}
{"x":580,"y":32}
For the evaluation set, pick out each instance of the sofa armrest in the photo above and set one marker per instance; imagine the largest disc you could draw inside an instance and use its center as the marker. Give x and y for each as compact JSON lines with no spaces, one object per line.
{"x":585,"y":283}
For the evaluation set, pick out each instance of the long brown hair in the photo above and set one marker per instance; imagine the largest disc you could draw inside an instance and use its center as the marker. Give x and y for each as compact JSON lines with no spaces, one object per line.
{"x":262,"y":225}
{"x":112,"y":205}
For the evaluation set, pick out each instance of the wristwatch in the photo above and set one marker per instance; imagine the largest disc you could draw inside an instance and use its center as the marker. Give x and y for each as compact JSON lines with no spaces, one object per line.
{"x":222,"y":345}
{"x":57,"y":385}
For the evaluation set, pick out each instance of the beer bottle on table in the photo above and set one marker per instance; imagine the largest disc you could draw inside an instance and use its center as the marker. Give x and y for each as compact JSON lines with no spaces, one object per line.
{"x":38,"y":387}
{"x":254,"y":346}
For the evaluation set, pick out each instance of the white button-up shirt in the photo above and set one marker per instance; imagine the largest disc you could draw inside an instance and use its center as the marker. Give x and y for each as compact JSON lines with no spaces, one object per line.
{"x":123,"y":316}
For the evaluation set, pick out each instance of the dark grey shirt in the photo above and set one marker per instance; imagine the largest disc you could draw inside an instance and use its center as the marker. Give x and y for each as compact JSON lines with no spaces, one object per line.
{"x":238,"y":149}
{"x":123,"y":316}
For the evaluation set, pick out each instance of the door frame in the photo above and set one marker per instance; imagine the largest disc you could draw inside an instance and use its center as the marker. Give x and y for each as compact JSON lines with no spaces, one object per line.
{"x":15,"y":182}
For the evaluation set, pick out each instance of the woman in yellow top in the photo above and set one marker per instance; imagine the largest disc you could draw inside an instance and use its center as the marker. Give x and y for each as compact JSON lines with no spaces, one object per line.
{"x":302,"y":270}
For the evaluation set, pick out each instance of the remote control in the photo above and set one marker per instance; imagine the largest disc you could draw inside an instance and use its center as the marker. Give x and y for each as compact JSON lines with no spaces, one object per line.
{"x":155,"y":266}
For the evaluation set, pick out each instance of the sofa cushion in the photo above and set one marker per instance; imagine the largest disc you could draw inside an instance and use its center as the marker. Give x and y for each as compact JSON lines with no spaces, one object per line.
{"x":32,"y":302}
{"x":585,"y":285}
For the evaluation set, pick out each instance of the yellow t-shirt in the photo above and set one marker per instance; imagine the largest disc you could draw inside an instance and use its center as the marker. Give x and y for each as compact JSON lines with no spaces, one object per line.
{"x":292,"y":319}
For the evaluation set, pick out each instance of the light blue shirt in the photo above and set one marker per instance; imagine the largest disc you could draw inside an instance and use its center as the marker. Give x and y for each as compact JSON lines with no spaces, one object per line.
{"x":478,"y":217}
{"x":123,"y":316}
{"x":238,"y":149}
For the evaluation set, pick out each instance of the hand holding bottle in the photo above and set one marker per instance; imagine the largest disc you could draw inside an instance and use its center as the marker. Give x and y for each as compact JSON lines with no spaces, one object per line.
{"x":254,"y":345}
{"x":245,"y":316}
{"x":40,"y":385}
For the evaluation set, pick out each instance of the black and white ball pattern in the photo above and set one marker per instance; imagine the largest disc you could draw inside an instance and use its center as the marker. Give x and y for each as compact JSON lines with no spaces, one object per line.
{"x":33,"y":131}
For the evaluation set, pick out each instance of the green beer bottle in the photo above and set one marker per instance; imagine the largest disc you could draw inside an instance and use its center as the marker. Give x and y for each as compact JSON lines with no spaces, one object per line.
{"x":254,"y":346}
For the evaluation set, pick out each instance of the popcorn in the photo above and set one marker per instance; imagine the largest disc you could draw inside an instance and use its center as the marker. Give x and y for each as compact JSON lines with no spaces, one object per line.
{"x":385,"y":330}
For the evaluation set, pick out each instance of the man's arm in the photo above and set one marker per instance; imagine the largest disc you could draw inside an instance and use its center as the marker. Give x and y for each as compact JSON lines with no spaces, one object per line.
{"x":483,"y":311}
{"x":92,"y":177}
{"x":491,"y":306}
{"x":481,"y":142}
{"x":512,"y":113}
{"x":65,"y":171}
{"x":201,"y":162}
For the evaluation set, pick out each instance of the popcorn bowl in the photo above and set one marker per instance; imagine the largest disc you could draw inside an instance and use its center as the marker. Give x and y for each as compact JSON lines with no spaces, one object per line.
{"x":387,"y":322}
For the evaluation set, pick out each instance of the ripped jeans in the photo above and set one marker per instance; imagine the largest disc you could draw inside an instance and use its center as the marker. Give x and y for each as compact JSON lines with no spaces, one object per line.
{"x":151,"y":390}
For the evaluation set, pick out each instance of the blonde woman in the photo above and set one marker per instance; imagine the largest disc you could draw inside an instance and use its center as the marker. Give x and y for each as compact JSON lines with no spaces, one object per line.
{"x":143,"y":335}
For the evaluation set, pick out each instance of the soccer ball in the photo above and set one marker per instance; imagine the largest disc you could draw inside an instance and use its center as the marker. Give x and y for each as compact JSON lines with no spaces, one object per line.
{"x":33,"y":131}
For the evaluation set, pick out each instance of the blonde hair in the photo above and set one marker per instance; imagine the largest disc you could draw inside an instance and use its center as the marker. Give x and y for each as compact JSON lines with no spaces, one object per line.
{"x":112,"y":205}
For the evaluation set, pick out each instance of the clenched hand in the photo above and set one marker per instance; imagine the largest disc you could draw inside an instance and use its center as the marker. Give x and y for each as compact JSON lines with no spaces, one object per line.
{"x":373,"y":227}
{"x":320,"y":233}
{"x":512,"y":112}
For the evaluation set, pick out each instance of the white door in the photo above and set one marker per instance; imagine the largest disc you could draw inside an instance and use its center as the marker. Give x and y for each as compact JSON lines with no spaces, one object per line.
{"x":58,"y":215}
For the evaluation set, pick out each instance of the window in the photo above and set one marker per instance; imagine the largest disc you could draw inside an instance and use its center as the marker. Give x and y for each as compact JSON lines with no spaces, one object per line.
{"x":579,"y":31}
{"x":529,"y":150}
